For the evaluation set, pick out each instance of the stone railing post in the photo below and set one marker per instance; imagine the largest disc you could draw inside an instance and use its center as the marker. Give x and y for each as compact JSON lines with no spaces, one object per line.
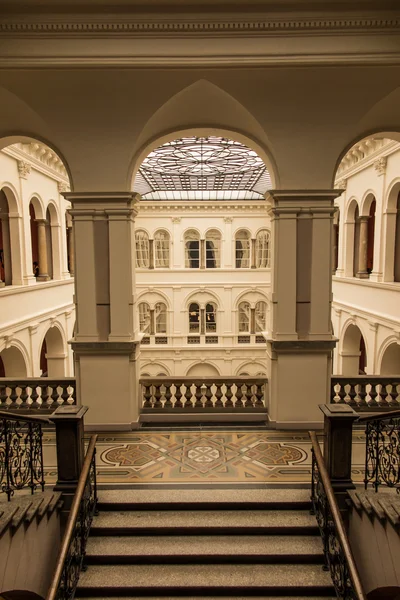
{"x":338,"y":430}
{"x":69,"y":424}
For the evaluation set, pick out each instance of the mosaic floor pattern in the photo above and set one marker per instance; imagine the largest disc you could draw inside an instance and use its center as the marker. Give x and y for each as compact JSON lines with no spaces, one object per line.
{"x":239,"y":457}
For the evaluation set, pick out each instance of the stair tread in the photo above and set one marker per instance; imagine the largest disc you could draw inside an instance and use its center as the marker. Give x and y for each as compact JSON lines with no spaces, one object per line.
{"x":261,"y":496}
{"x":203,"y":545}
{"x":205,"y":576}
{"x":205,"y":519}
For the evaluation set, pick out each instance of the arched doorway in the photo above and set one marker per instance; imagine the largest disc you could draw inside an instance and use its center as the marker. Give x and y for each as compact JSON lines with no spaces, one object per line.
{"x":390,"y":364}
{"x":6,"y":275}
{"x":396,"y":270}
{"x":353,"y":352}
{"x":371,"y":237}
{"x":34,"y":240}
{"x":12,"y":363}
{"x":52,"y":354}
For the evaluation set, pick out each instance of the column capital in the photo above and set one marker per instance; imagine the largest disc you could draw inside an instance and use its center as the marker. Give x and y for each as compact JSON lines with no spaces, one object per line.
{"x":103,"y":199}
{"x":302,"y":201}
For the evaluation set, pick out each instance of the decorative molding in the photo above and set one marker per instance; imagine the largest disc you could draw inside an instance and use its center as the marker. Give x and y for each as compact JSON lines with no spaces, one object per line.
{"x":176,"y":220}
{"x":142,"y":28}
{"x":228,"y":219}
{"x":380,"y":165}
{"x":62,"y":187}
{"x":24,"y":169}
{"x":342,"y":184}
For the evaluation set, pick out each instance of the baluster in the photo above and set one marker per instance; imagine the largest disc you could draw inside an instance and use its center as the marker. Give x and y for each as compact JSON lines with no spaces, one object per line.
{"x":333,"y":391}
{"x":203,"y":389}
{"x":168,"y":395}
{"x":259,"y":395}
{"x":393,"y":394}
{"x":179,"y":395}
{"x":383,"y":395}
{"x":44,"y":395}
{"x":3,"y":395}
{"x":352,"y":394}
{"x":198,"y":395}
{"x":34,"y":397}
{"x":13,"y":395}
{"x":239,"y":395}
{"x":208,"y":395}
{"x":362,"y":393}
{"x":248,"y":395}
{"x":54,"y":395}
{"x":218,"y":395}
{"x":157,"y":395}
{"x":188,"y":395}
{"x":342,"y":393}
{"x":24,"y":396}
{"x":73,"y":394}
{"x":65,"y":395}
{"x":146,"y":395}
{"x":229,"y":395}
{"x":373,"y":394}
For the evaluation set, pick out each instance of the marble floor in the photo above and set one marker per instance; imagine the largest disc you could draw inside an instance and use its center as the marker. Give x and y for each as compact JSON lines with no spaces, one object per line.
{"x":221,"y":457}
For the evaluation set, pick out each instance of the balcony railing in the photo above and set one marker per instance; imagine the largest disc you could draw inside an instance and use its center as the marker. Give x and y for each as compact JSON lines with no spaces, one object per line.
{"x":208,"y":394}
{"x":366,"y":393}
{"x":36,"y":393}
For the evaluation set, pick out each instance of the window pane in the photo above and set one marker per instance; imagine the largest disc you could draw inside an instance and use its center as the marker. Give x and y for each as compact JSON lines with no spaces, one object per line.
{"x":192,"y":250}
{"x":161,"y":250}
{"x":194,"y":318}
{"x":144,"y":317}
{"x":261,"y":312}
{"x":243,"y":250}
{"x":263,"y":249}
{"x":142,"y":250}
{"x":244,"y":317}
{"x":211,"y":318}
{"x":213,"y":249}
{"x":161,"y":318}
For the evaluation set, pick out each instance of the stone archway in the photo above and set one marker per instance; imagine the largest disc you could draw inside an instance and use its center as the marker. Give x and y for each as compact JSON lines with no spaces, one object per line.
{"x":202,"y":370}
{"x":13,"y":362}
{"x":354,"y":356}
{"x":52,"y":354}
{"x":390,"y":364}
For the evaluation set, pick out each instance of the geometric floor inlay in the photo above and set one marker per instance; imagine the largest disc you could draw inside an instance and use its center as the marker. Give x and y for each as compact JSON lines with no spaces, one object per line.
{"x":196,"y":457}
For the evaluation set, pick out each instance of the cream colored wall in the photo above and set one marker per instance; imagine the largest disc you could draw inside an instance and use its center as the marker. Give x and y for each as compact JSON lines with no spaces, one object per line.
{"x":372,"y":304}
{"x":226,"y":286}
{"x":30,"y":309}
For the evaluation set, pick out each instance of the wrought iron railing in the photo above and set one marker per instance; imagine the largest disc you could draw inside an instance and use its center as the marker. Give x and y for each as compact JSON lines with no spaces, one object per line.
{"x":217,"y":393}
{"x":338,"y":556}
{"x":71,"y":559}
{"x":382,"y":450}
{"x":366,"y":392}
{"x":21,"y":453}
{"x":36,"y":393}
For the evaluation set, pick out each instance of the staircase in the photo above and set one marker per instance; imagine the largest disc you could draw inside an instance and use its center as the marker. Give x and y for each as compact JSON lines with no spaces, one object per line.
{"x":203,"y":544}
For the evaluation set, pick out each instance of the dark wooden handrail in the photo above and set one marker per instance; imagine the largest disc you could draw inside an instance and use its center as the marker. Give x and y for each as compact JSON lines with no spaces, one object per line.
{"x":72,"y":518}
{"x":338,"y":522}
{"x":380,"y":416}
{"x":5,"y":414}
{"x":208,"y":379}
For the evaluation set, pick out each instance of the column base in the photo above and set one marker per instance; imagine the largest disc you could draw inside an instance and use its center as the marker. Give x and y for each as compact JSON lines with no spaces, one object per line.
{"x":43,"y":278}
{"x":107,"y":376}
{"x":362,"y":275}
{"x":2,"y":284}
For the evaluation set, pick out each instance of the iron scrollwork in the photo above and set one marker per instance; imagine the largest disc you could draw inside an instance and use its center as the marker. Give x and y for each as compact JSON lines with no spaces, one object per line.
{"x":21,"y":456}
{"x":382,"y":458}
{"x":75,"y":560}
{"x":335,"y":558}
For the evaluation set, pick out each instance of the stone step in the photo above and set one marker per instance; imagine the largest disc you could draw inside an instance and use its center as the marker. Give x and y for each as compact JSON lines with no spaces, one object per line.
{"x":175,"y":522}
{"x":204,"y":499}
{"x":204,"y":549}
{"x":197,"y":579}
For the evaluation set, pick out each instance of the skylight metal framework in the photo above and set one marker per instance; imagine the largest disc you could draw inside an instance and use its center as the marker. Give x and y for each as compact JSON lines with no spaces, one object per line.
{"x":202,"y":164}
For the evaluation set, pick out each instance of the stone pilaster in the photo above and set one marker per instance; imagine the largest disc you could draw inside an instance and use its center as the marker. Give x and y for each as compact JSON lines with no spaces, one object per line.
{"x":42,"y":250}
{"x":362,"y":272}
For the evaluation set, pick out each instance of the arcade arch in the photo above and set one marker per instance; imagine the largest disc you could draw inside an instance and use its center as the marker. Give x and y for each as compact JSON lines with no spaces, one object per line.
{"x":390,"y":363}
{"x":353,"y":351}
{"x":13,"y":363}
{"x":53,"y":354}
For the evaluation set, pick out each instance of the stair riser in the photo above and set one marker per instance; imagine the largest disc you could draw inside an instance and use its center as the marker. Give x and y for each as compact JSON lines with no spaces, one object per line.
{"x":293,"y":559}
{"x":191,"y":506}
{"x":177,"y":531}
{"x":230,"y":592}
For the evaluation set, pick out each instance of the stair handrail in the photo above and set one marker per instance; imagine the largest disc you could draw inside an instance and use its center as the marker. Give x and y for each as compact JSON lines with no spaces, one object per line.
{"x":382,"y":463}
{"x":339,"y":558}
{"x":21,"y":452}
{"x":71,"y":557}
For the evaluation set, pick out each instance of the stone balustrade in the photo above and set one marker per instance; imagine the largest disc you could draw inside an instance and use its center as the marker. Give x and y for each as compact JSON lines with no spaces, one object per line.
{"x":210,"y":393}
{"x":34,"y":393}
{"x":366,"y":392}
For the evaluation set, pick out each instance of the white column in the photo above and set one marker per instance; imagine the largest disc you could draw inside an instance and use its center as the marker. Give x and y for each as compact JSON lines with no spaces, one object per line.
{"x":42,"y":251}
{"x":106,"y":339}
{"x":16,"y":237}
{"x":301,"y":343}
{"x":362,"y":272}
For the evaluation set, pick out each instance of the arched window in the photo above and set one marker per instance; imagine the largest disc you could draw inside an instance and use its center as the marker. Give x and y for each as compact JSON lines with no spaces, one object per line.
{"x":371,"y":237}
{"x":194,"y":318}
{"x":192,"y":249}
{"x":244,"y":317}
{"x":213,"y":249}
{"x":5,"y":243}
{"x":161,"y":317}
{"x":211,"y":318}
{"x":142,"y":250}
{"x":260,"y":316}
{"x":263,"y":249}
{"x":161,"y":249}
{"x":144,"y":318}
{"x":242,"y":246}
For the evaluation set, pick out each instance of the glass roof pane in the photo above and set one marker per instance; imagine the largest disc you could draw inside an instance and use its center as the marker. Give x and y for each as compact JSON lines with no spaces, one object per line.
{"x":202,"y":164}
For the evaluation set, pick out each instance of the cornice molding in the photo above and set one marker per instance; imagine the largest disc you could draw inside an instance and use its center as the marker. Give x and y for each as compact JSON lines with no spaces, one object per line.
{"x":142,"y":27}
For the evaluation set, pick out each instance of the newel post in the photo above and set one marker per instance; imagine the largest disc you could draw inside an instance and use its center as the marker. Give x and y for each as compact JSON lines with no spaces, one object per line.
{"x":69,"y":422}
{"x":338,"y":430}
